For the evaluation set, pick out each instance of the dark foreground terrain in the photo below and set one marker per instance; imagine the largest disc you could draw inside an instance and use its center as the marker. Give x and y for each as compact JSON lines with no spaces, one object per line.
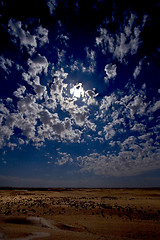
{"x":68,"y":214}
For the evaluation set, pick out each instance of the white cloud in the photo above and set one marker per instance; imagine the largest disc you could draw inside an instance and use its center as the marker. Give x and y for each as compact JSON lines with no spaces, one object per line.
{"x":46,"y":117}
{"x":63,"y":159}
{"x":139,"y":127}
{"x":138,"y":69}
{"x":156,"y":106}
{"x":12,"y":146}
{"x":3,"y":110}
{"x":128,"y":27}
{"x":40,"y":90}
{"x":75,"y":66}
{"x":63,"y":39}
{"x":28,"y":105}
{"x":126,"y":42}
{"x":37,"y":65}
{"x":88,"y":67}
{"x":54,"y":129}
{"x":6,"y":64}
{"x":109,"y":132}
{"x":26,"y":39}
{"x":90,"y":97}
{"x":106,"y":104}
{"x":19,"y":92}
{"x":137,"y":106}
{"x":110,"y":70}
{"x":42,"y":35}
{"x":6,"y":133}
{"x":61,"y":56}
{"x":11,"y":120}
{"x":52,"y":4}
{"x":132,"y":160}
{"x":91,"y":60}
{"x":80,"y":116}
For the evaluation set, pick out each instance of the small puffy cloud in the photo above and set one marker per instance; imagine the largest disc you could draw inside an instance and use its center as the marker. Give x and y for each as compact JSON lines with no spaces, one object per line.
{"x":5,"y":134}
{"x":11,"y":120}
{"x":52,"y":5}
{"x":24,"y":37}
{"x":12,"y":146}
{"x":128,"y":27}
{"x":138,"y":69}
{"x":37,"y":64}
{"x":58,"y":86}
{"x":88,"y":67}
{"x":3,"y":110}
{"x":46,"y":117}
{"x":42,"y":35}
{"x":91,"y":60}
{"x":109,"y":132}
{"x":75,"y":66}
{"x":131,"y":140}
{"x":28,"y":105}
{"x":19,"y":92}
{"x":28,"y":130}
{"x":91,"y":97}
{"x":6,"y":64}
{"x":137,"y":106}
{"x":63,"y":39}
{"x":156,"y":106}
{"x":63,"y":159}
{"x":106,"y":104}
{"x":126,"y":42}
{"x":61,"y":56}
{"x":40,"y":90}
{"x":80,"y":116}
{"x":138,"y":127}
{"x":110,"y":70}
{"x":52,"y":128}
{"x":134,"y":159}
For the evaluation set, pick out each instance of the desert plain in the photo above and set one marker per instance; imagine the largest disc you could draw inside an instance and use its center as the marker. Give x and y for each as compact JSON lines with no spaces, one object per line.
{"x":81,"y":214}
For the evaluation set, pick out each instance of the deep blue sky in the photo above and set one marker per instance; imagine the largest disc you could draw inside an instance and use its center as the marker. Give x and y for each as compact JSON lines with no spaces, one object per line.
{"x":79,"y":93}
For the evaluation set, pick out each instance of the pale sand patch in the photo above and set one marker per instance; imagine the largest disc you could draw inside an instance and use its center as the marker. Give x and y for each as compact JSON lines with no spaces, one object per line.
{"x":34,"y":235}
{"x":37,"y":221}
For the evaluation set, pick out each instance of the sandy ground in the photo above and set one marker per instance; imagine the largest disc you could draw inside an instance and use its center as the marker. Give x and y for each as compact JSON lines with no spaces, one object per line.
{"x":68,"y":214}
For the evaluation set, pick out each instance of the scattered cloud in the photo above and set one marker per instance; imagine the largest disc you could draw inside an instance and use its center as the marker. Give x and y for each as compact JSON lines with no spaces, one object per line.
{"x":133,"y":161}
{"x":52,"y":5}
{"x":42,"y":35}
{"x":156,"y":106}
{"x":124,"y":43}
{"x":56,"y":89}
{"x":110,"y":70}
{"x":63,"y":159}
{"x":6,"y":64}
{"x":37,"y":64}
{"x":21,"y":36}
{"x":137,"y":70}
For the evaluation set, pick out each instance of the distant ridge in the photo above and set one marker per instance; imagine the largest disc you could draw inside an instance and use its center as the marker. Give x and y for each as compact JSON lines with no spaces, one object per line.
{"x":57,"y":189}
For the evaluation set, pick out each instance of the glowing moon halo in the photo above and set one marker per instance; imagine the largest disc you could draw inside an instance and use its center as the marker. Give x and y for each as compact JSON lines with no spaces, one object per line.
{"x":77,"y":91}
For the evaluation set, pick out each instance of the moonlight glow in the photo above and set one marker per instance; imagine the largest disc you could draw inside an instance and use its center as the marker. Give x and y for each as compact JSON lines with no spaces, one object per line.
{"x":77,"y":91}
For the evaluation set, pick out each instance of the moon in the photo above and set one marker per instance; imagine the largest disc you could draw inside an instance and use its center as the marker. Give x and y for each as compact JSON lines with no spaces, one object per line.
{"x":77,"y":91}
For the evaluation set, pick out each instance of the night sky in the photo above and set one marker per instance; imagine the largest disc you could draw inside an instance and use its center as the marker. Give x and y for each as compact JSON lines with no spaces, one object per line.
{"x":79,"y":93}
